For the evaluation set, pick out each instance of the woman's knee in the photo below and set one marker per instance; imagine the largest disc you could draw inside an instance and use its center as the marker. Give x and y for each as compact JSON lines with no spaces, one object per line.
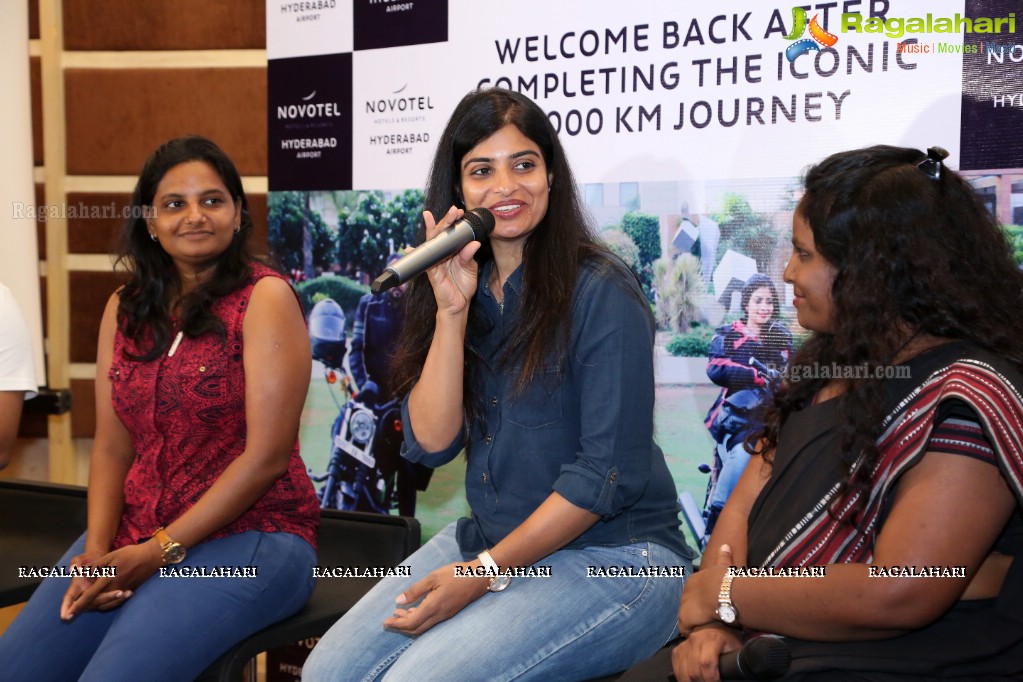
{"x":316,"y":667}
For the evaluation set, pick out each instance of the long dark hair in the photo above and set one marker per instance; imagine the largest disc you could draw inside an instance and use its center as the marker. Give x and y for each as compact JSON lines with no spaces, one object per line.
{"x":551,"y":255}
{"x":913,"y":254}
{"x":152,"y":280}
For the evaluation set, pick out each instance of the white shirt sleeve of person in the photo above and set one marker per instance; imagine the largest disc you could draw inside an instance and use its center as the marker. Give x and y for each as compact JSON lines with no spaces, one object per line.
{"x":17,"y":369}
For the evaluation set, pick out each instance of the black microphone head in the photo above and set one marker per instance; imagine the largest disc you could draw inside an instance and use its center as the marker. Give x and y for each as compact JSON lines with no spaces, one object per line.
{"x":482,"y":222}
{"x":765,"y":658}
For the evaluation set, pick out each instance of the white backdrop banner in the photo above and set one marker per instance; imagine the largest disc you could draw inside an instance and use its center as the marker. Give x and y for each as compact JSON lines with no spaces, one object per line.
{"x":688,"y":125}
{"x":665,"y":90}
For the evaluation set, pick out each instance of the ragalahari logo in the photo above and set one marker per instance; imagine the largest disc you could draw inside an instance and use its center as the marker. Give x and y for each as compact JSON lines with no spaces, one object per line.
{"x":818,"y":36}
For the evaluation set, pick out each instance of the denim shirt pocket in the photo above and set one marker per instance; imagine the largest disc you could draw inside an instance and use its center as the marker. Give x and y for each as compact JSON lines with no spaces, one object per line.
{"x":539,"y":406}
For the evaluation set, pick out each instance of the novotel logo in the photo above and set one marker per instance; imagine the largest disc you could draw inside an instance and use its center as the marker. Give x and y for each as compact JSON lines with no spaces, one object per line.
{"x":308,"y":109}
{"x":390,"y":105}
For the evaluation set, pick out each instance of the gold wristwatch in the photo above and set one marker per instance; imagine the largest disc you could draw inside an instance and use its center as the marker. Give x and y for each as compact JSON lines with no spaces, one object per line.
{"x":727,"y":613}
{"x":173,"y":552}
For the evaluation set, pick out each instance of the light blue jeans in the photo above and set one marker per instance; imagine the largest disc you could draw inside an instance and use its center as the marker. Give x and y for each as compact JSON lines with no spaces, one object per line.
{"x":566,"y":627}
{"x":171,"y":629}
{"x":733,"y":463}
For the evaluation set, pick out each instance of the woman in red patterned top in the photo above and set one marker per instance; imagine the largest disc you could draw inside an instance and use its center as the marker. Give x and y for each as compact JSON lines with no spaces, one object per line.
{"x":199,"y":504}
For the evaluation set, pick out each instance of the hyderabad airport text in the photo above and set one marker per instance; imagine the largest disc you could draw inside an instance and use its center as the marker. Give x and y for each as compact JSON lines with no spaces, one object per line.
{"x":768,"y":109}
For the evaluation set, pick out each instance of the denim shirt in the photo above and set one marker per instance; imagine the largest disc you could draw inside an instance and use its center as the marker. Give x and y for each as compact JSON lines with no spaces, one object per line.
{"x":587,"y":435}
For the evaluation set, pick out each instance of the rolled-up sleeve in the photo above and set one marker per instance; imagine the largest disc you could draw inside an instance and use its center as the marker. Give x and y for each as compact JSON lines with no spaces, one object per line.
{"x":612,"y":364}
{"x":414,"y":452}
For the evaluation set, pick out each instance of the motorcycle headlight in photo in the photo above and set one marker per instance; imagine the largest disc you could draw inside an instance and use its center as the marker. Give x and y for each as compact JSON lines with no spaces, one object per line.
{"x":362,"y":426}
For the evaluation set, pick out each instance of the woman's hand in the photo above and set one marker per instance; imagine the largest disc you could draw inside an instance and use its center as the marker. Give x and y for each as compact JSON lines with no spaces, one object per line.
{"x":454,"y":280}
{"x":696,"y":659}
{"x":80,"y":584}
{"x":700,"y":595}
{"x":443,"y":595}
{"x":132,"y":565}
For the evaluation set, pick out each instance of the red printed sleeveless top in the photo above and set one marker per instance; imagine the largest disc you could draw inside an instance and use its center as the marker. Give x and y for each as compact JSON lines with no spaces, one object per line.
{"x":186,"y":416}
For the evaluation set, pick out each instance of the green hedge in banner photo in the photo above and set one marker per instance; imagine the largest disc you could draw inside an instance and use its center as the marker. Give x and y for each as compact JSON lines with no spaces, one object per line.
{"x":695,"y":344}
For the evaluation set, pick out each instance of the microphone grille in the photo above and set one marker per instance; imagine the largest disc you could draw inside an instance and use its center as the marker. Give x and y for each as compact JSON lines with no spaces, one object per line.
{"x":766,"y":658}
{"x":482,"y":221}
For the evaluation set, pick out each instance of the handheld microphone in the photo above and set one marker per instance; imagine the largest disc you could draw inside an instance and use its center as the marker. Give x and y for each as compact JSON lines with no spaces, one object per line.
{"x":475,"y":225}
{"x":762,"y":658}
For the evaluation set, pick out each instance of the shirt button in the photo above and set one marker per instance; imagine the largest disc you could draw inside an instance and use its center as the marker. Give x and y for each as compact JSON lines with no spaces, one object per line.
{"x":493,"y":401}
{"x":484,"y":478}
{"x":489,"y":439}
{"x":614,"y":477}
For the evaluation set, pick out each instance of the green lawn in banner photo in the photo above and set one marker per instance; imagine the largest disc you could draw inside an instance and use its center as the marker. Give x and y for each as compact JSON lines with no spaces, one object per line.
{"x":318,"y":416}
{"x":679,"y":431}
{"x":439,"y":505}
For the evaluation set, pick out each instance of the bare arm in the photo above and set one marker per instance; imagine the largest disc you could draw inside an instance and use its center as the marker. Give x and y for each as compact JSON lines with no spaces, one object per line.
{"x":111,"y":457}
{"x":435,"y":403}
{"x":554,"y":524}
{"x":112,"y":449}
{"x":948,"y":511}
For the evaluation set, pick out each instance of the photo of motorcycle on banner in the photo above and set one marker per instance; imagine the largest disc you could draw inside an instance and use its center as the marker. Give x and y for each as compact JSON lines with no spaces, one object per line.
{"x":365,"y":471}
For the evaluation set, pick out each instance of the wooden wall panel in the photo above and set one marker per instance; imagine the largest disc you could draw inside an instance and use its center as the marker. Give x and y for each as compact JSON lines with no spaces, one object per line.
{"x":116,"y":117}
{"x":177,"y":25}
{"x":90,"y":234}
{"x":33,"y":19}
{"x":34,"y":426}
{"x":258,"y":211}
{"x":35,"y":79}
{"x":43,"y":304}
{"x":83,"y":408}
{"x":40,"y":224}
{"x":88,"y":295}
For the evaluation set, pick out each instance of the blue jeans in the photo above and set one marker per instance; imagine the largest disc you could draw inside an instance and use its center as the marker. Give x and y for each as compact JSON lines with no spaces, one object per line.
{"x":733,"y":462}
{"x":171,"y":628}
{"x":565,"y":627}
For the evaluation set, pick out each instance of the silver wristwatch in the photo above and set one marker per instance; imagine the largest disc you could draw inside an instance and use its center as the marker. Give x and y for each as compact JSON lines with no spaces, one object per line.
{"x":499,"y":581}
